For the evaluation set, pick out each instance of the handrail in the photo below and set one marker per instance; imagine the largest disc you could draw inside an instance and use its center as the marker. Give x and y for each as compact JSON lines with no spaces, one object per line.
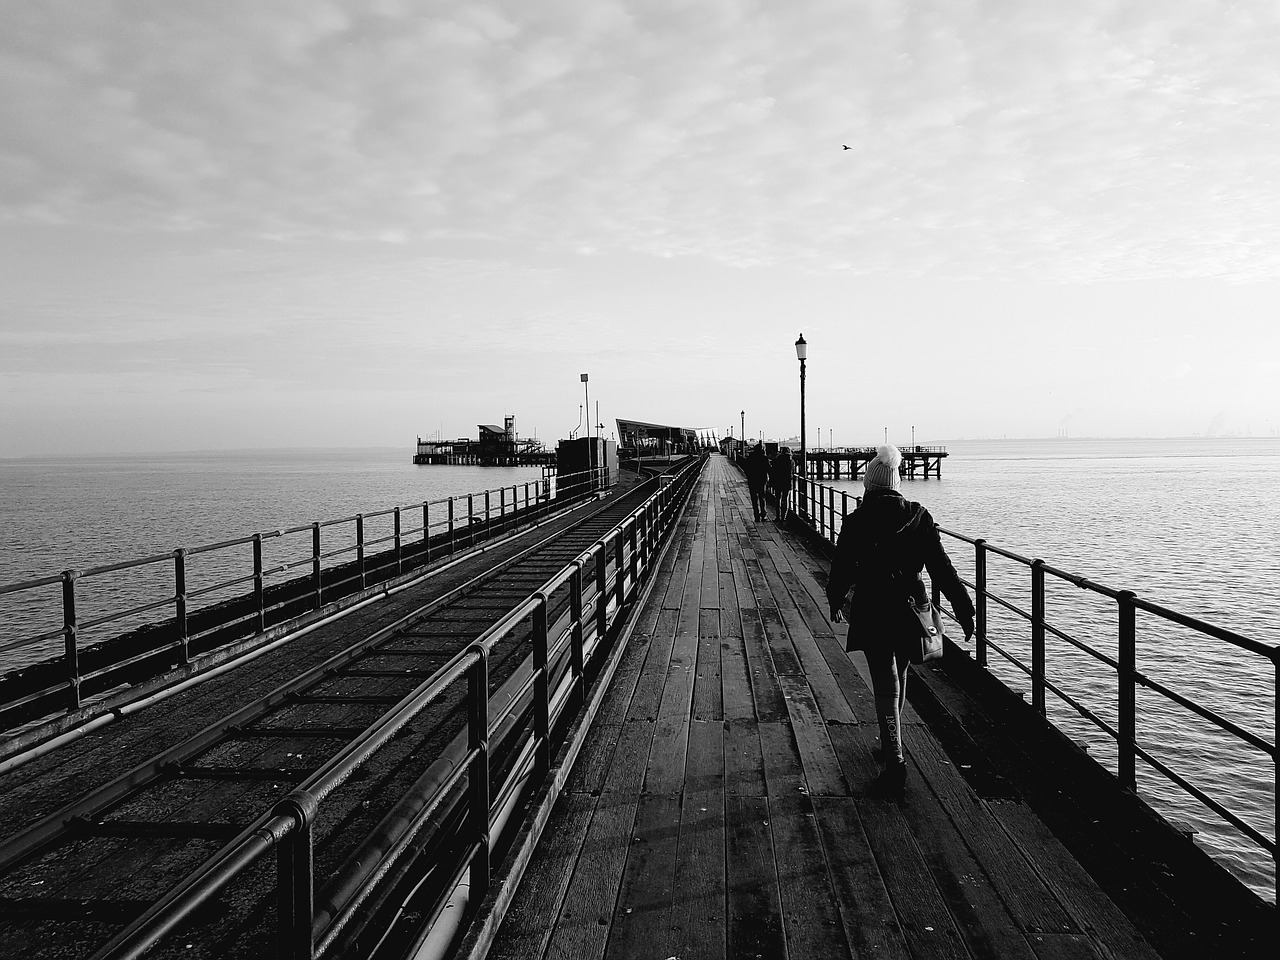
{"x":286,"y":828}
{"x":449,"y":524}
{"x":822,"y":518}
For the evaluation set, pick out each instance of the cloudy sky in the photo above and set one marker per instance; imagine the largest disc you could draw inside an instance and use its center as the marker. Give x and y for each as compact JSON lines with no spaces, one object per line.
{"x":309,"y":223}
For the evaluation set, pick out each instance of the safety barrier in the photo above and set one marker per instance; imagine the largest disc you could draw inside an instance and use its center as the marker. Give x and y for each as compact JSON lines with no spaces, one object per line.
{"x":448,"y":826}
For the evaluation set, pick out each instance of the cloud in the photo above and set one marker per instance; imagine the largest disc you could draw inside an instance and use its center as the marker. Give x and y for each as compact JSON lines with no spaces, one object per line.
{"x":1070,"y":141}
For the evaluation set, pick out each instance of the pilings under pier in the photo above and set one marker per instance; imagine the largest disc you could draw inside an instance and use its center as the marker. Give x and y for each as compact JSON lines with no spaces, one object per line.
{"x":850,"y":463}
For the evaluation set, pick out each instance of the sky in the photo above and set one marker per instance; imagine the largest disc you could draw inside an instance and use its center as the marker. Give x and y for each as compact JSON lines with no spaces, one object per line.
{"x":295,"y":224}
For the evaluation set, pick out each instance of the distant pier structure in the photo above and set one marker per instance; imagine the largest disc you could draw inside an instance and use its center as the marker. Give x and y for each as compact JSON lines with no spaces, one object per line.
{"x":850,"y":463}
{"x":495,"y":447}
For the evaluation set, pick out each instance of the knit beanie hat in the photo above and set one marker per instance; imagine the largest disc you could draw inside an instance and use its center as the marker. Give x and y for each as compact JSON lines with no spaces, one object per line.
{"x":882,"y":472}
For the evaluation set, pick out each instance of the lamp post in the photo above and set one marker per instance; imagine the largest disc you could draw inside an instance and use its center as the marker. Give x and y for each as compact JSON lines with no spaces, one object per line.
{"x":802,"y":352}
{"x":591,"y":452}
{"x":743,"y":424}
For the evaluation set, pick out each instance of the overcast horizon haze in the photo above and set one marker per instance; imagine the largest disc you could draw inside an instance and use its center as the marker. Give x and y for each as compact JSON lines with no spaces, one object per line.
{"x":350,"y":224}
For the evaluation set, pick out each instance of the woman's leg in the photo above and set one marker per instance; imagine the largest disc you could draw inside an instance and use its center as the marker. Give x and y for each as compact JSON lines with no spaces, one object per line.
{"x":888,"y":684}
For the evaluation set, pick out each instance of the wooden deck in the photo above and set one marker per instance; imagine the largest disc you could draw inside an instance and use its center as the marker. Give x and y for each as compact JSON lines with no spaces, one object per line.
{"x":719,"y":809}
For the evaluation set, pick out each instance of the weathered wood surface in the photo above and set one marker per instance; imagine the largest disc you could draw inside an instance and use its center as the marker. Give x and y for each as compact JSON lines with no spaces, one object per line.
{"x":721,"y":810}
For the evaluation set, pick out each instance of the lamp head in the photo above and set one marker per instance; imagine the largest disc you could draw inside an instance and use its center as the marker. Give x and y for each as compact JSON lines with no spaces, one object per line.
{"x":802,"y":348}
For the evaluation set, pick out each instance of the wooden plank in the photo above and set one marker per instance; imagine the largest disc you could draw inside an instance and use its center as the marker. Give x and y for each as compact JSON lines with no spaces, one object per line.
{"x":647,"y":697}
{"x":590,"y":900}
{"x":822,"y":773}
{"x":764,"y":677}
{"x":736,"y":700}
{"x":854,"y":685}
{"x":643,"y":911}
{"x":827,"y":691}
{"x":594,"y":759}
{"x":699,"y":897}
{"x":1030,"y":902}
{"x":743,"y":759}
{"x":926,"y":922}
{"x":622,"y":688}
{"x":1090,"y":907}
{"x":525,"y":929}
{"x":708,"y":702}
{"x":670,"y":740}
{"x":754,"y":900}
{"x":730,"y":612}
{"x":785,"y":660}
{"x":870,"y":921}
{"x":809,"y":906}
{"x":853,"y":745}
{"x":965,"y":885}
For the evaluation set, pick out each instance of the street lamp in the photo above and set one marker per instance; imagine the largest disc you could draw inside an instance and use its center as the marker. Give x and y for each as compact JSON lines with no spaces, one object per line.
{"x":802,"y":352}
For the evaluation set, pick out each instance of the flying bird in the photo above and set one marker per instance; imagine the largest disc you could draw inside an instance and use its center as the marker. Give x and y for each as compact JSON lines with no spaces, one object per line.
{"x":846,"y":146}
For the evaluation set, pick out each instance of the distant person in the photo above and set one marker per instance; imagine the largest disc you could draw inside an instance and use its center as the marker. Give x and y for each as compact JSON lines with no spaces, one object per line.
{"x":757,"y":470}
{"x":882,"y":546}
{"x":781,"y":472}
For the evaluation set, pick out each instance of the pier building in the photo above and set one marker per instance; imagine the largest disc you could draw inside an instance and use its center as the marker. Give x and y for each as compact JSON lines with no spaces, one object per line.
{"x":609,"y":726}
{"x":494,"y":446}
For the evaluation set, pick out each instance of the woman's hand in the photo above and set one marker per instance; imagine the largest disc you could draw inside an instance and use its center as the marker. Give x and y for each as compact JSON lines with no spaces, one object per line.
{"x":836,"y":615}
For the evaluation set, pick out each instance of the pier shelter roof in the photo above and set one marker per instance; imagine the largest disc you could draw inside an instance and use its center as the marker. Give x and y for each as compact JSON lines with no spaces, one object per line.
{"x":631,"y":432}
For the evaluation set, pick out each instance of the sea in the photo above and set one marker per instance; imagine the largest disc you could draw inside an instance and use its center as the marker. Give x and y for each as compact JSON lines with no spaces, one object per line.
{"x":1193,"y":525}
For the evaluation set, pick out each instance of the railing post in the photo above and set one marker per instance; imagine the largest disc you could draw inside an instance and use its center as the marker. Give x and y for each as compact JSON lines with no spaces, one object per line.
{"x":502,"y":505}
{"x":180,"y":603}
{"x":980,"y":600}
{"x":471,"y":519}
{"x":831,"y":514}
{"x":478,"y":775}
{"x":1126,"y":759}
{"x":70,"y":638}
{"x":632,"y":543}
{"x":844,"y":511}
{"x":619,"y":571}
{"x":541,"y":693}
{"x":295,"y":878}
{"x":259,"y":593}
{"x":488,"y":517}
{"x":397,"y":538}
{"x":602,"y":593}
{"x":360,"y":547}
{"x":1037,"y":636}
{"x":426,"y":532}
{"x":577,"y":658}
{"x":315,"y":565}
{"x":451,"y":524}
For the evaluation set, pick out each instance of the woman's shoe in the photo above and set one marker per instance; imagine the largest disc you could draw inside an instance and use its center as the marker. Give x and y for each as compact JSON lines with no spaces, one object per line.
{"x":892,"y":781}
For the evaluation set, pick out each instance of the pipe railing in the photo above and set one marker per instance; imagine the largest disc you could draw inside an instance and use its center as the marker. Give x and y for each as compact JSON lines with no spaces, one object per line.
{"x":593,"y":590}
{"x":339,"y":555}
{"x":816,"y":507}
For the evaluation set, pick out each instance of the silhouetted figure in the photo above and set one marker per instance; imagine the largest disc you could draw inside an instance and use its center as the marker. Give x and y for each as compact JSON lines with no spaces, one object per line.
{"x":882,"y":546}
{"x":781,"y":472}
{"x":757,"y":469}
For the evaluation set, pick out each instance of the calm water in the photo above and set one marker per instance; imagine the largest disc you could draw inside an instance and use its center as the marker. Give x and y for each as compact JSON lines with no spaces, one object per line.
{"x":1189,"y":524}
{"x":1192,"y":525}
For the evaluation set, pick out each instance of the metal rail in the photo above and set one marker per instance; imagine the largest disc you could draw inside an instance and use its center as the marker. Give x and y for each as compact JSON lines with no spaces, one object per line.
{"x":68,"y":682}
{"x":548,"y":647}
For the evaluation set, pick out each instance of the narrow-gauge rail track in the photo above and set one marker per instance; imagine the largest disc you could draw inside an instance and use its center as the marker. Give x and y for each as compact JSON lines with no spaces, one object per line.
{"x":71,"y":882}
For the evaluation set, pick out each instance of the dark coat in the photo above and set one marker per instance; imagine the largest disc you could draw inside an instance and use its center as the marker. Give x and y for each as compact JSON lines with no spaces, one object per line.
{"x":757,"y":468}
{"x":883,"y":545}
{"x":781,"y":471}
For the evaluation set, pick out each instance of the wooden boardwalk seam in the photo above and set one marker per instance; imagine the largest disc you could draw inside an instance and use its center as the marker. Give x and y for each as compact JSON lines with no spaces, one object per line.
{"x":719,"y":806}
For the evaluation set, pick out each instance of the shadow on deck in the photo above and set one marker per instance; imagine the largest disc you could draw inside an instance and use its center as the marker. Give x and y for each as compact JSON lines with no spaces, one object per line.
{"x":718,"y":808}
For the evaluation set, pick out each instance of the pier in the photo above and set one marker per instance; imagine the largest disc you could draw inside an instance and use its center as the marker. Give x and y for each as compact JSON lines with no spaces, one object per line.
{"x":850,"y":463}
{"x":674,"y":751}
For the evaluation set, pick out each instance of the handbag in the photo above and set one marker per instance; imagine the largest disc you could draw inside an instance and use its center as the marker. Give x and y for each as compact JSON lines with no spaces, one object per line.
{"x":928,"y":641}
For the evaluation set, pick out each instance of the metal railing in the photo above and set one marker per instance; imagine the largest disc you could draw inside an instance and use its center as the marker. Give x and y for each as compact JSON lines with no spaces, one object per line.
{"x":243,"y":602}
{"x":456,"y":802}
{"x":822,"y":508}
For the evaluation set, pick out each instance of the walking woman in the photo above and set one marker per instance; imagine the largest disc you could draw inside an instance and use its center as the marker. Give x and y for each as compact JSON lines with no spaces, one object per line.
{"x":883,"y":545}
